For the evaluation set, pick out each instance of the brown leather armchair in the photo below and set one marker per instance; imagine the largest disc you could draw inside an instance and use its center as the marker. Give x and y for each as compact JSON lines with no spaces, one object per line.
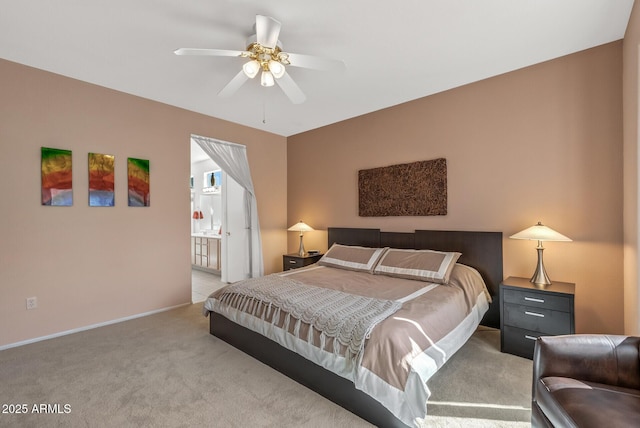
{"x":586,"y":381}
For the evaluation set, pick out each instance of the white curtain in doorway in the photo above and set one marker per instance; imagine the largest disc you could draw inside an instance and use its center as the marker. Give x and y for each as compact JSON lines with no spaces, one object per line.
{"x":232,"y":158}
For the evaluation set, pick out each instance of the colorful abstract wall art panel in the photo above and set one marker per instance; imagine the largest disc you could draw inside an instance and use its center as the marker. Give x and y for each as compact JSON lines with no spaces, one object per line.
{"x":138,"y":173}
{"x":101,"y":180}
{"x":57,"y":181}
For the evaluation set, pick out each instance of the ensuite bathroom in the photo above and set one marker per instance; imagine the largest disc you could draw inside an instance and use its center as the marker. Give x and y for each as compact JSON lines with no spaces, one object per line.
{"x":206,"y":223}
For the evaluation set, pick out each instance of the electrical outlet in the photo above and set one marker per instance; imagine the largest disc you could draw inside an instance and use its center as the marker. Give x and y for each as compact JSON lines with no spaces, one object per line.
{"x":32,"y":302}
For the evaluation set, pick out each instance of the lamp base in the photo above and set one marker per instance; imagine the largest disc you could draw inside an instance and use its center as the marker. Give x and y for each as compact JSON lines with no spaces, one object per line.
{"x":301,"y":248}
{"x":540,"y":277}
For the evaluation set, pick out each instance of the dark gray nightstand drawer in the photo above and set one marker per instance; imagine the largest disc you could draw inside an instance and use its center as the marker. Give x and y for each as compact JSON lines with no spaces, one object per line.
{"x":291,"y":263}
{"x":518,"y":341}
{"x":294,"y":261}
{"x":537,"y":300}
{"x":537,"y":319}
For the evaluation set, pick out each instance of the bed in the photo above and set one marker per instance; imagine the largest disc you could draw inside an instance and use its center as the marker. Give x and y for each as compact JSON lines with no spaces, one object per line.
{"x":386,"y":391}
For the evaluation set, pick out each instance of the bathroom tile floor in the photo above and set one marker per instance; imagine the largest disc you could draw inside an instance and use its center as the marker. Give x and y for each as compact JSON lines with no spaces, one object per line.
{"x":203,"y":284}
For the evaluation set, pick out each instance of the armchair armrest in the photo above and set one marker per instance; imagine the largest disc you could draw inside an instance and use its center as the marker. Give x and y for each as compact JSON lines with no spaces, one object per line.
{"x":607,"y":359}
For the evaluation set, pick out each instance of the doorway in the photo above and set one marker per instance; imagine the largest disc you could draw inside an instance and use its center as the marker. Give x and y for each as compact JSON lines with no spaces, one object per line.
{"x":206,"y":222}
{"x":224,"y":210}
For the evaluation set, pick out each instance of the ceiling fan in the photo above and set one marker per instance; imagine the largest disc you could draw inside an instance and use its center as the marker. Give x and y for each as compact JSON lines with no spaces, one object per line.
{"x":264,"y":53}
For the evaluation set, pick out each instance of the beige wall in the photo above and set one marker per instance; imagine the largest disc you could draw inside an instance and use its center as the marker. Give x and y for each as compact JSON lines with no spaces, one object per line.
{"x":542,"y":143}
{"x":631,"y":45}
{"x":93,"y":265}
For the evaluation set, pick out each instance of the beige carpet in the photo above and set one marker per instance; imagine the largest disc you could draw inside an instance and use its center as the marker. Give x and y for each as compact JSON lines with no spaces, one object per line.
{"x":165,"y":370}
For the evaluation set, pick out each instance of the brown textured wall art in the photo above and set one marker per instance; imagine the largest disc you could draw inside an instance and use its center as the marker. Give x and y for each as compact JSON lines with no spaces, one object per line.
{"x":411,"y":189}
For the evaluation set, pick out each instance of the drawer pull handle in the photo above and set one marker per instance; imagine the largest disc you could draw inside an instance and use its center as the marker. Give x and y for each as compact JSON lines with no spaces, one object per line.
{"x":532,"y":299}
{"x":526,"y":336}
{"x":534,"y":314}
{"x":293,"y":262}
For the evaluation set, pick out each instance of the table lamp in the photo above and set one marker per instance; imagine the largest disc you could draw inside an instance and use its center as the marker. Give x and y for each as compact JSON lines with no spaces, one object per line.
{"x":540,"y":233}
{"x":300,"y":227}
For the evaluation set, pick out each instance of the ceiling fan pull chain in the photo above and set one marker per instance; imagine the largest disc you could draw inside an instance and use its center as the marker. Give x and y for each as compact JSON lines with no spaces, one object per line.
{"x":264,"y":111}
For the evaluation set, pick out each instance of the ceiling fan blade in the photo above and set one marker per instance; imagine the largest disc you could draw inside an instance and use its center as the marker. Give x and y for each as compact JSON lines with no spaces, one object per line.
{"x":233,"y":85}
{"x":291,"y":89}
{"x":207,"y":52}
{"x":317,"y":63}
{"x":267,"y":31}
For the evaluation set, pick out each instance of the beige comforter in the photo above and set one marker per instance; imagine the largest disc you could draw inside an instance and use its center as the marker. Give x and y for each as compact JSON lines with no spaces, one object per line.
{"x":404,"y":350}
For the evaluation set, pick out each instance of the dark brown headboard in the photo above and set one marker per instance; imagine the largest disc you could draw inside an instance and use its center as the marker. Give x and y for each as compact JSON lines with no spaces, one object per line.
{"x":480,"y":250}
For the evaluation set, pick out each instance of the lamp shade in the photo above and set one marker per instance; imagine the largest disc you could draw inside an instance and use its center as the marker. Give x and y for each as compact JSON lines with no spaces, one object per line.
{"x":300,"y":227}
{"x":540,"y":232}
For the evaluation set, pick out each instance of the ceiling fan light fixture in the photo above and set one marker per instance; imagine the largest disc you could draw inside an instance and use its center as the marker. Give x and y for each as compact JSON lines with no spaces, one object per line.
{"x":251,"y":68}
{"x":264,"y":53}
{"x":276,"y":69}
{"x":267,"y":78}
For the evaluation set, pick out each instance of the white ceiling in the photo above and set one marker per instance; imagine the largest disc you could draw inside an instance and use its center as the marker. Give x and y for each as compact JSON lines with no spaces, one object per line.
{"x":394,"y":51}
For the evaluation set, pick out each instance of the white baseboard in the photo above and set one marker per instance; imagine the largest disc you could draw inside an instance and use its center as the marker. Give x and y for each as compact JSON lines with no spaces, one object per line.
{"x":89,"y":327}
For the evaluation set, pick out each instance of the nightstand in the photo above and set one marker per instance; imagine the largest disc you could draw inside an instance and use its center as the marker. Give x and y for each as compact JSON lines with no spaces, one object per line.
{"x":294,"y":261}
{"x":528,"y":311}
